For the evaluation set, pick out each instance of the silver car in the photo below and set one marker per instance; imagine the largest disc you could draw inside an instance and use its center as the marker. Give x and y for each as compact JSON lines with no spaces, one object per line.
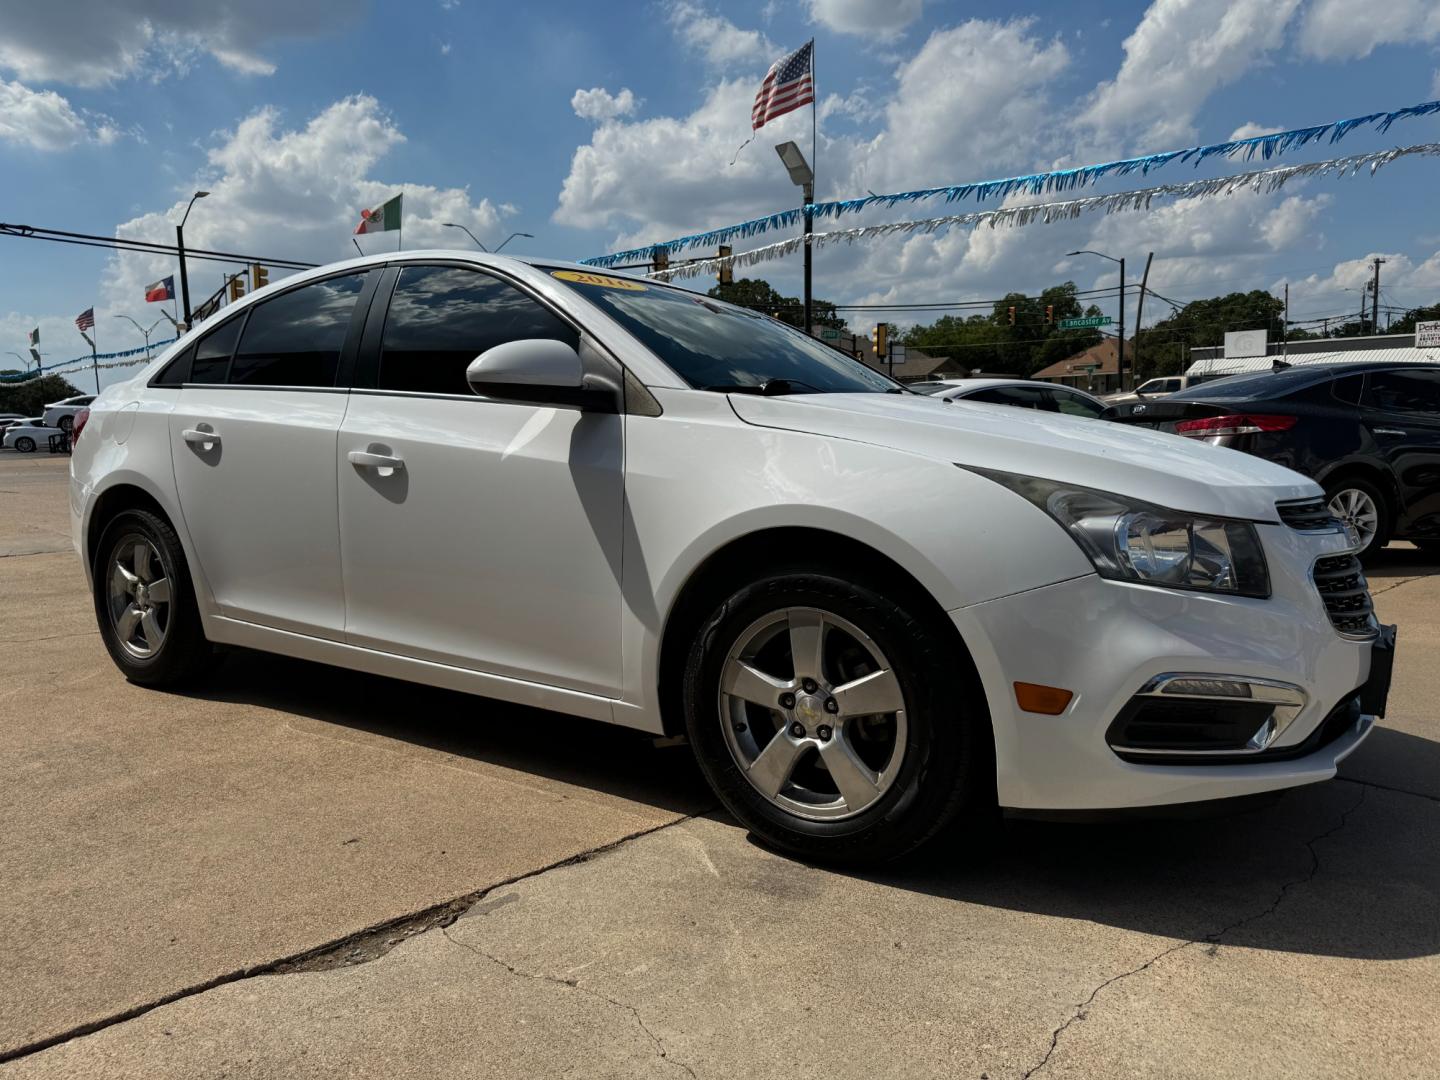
{"x":26,"y":435}
{"x":1021,"y":393}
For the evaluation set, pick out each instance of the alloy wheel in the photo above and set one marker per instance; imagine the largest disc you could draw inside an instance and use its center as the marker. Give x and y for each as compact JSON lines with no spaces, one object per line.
{"x":813,"y":713}
{"x":1357,"y":510}
{"x":139,"y":596}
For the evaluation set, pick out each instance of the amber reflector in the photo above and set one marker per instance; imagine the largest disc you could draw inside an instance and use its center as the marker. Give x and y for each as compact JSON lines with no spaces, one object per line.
{"x":1049,"y":700}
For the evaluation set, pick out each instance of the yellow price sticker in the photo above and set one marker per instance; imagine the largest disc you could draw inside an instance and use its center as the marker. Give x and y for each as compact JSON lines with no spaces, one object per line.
{"x":604,"y":282}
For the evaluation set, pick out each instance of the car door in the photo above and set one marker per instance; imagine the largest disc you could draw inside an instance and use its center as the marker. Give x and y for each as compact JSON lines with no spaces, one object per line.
{"x":477,"y":532}
{"x":1401,"y":410}
{"x":253,"y":443}
{"x":1023,"y":397}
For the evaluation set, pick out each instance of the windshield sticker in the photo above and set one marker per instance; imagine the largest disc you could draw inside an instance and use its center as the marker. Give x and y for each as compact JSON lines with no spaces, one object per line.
{"x":597,"y":279}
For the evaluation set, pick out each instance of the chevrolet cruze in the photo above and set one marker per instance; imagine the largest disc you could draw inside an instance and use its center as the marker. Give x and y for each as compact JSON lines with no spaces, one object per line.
{"x":872,"y":613}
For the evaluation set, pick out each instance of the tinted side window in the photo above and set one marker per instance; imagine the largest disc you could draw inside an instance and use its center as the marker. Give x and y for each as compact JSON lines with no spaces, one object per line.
{"x":1404,"y":391}
{"x":177,"y":371}
{"x":1347,"y":388}
{"x":1074,"y":404}
{"x":212,"y":355}
{"x":442,"y":317}
{"x":296,"y":338}
{"x":1023,"y":396}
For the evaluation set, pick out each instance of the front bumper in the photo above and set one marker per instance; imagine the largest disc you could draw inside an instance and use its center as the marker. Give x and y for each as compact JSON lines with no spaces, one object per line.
{"x":1106,"y":640}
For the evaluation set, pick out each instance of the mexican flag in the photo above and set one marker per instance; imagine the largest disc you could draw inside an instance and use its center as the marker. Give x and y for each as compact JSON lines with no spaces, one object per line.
{"x":35,"y":337}
{"x":382,"y":219}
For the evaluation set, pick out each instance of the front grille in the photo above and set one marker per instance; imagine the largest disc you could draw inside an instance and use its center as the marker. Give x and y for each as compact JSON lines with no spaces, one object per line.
{"x":1341,"y":584}
{"x":1307,"y":515}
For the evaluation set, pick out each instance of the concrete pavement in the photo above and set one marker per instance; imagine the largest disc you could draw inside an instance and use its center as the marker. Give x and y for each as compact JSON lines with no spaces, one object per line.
{"x":162,"y":846}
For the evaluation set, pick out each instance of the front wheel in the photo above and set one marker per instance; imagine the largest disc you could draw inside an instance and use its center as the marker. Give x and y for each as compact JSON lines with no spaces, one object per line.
{"x":1363,"y":507}
{"x":830,"y":721}
{"x":25,"y":444}
{"x":144,"y":602}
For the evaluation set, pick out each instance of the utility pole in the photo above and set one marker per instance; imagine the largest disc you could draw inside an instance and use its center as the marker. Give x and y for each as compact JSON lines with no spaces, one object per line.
{"x":1285,"y":334}
{"x":1139,"y":307}
{"x":1375,"y":298}
{"x":1120,"y":359}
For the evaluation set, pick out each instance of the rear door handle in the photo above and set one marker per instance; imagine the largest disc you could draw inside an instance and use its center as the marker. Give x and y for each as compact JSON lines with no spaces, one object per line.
{"x":1389,"y":431}
{"x":195,"y":436}
{"x":366,"y":460}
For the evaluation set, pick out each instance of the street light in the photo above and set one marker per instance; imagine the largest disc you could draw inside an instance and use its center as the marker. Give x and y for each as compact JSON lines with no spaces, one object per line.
{"x":180,"y":246}
{"x":1120,"y":362}
{"x":467,"y":232}
{"x":142,"y":330}
{"x":803,"y":177}
{"x":512,"y":237}
{"x":24,"y":364}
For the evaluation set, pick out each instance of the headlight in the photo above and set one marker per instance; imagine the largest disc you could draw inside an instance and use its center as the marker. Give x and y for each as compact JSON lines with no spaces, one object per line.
{"x":1130,"y":540}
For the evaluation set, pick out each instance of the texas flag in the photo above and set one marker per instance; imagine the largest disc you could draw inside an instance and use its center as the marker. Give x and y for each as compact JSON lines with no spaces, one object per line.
{"x":164,"y":289}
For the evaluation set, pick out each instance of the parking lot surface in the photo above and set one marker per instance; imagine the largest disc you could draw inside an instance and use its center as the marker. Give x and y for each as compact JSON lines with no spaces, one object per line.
{"x":300,"y":871}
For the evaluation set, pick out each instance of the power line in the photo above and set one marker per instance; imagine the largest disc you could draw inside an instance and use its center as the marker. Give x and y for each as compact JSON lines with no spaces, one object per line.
{"x":142,"y":247}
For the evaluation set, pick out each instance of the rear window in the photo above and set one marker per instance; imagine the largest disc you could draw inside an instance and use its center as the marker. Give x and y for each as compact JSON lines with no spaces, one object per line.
{"x":1262,"y":386}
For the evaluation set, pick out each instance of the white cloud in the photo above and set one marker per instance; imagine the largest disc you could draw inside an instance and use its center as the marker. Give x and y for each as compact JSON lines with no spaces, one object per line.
{"x":1250,"y":130}
{"x":1182,"y":51}
{"x":1343,"y":29}
{"x":881,"y":18}
{"x":40,"y":119}
{"x":94,"y":42}
{"x":717,"y":39}
{"x":972,"y":101}
{"x":598,"y":103}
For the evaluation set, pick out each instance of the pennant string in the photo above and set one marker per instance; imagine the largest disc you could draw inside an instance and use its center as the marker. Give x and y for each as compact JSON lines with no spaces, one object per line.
{"x":1056,"y":180}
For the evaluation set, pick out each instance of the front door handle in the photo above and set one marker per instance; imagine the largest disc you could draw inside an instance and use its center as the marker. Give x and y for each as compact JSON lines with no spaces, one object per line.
{"x":1389,"y":431}
{"x":197,"y":436}
{"x":366,"y":460}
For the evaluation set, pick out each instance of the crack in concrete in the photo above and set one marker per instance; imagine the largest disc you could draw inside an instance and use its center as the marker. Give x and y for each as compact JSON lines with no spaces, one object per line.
{"x":1397,"y":584}
{"x":49,"y":637}
{"x":1078,"y":1013}
{"x":371,"y":943}
{"x":1387,"y":787}
{"x":574,"y":984}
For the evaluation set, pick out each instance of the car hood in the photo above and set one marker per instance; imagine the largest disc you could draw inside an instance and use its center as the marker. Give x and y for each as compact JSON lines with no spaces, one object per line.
{"x":1167,"y":470}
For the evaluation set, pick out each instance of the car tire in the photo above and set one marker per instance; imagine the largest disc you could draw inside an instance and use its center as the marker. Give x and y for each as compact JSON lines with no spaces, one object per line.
{"x":931,"y":767}
{"x":66,"y":424}
{"x":153,"y":633}
{"x":25,"y":444}
{"x":1357,"y":499}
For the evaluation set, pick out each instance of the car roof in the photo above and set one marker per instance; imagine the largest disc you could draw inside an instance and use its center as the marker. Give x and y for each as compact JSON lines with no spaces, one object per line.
{"x":976,"y":384}
{"x":1275,"y":383}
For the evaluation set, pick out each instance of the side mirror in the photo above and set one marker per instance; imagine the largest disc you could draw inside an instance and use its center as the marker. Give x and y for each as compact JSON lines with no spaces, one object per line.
{"x":536,"y":371}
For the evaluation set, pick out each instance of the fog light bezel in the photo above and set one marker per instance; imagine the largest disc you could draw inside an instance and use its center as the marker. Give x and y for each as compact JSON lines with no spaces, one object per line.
{"x":1286,"y":701}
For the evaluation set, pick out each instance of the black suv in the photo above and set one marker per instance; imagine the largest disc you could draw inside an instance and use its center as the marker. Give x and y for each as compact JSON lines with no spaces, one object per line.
{"x":1368,"y":433}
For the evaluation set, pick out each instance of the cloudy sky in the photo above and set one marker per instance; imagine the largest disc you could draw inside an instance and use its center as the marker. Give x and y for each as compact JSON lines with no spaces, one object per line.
{"x":604,"y":126}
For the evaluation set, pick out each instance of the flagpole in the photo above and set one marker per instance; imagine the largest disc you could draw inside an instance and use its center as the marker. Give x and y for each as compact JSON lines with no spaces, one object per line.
{"x":810,"y":199}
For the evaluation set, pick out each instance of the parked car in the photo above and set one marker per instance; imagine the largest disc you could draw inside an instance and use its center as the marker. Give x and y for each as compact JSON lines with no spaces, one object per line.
{"x":1369,"y":434}
{"x":1023,"y":393}
{"x":1163,"y":386}
{"x":10,"y":419}
{"x":871,"y":613}
{"x":61,"y":414}
{"x":27,"y":435}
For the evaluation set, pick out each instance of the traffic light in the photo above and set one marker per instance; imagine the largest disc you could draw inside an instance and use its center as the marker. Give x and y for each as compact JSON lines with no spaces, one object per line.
{"x":1049,"y":314}
{"x":879,"y":338}
{"x":236,"y":286}
{"x":1012,"y":316}
{"x":259,"y":277}
{"x":660,"y":257}
{"x":727,"y":270}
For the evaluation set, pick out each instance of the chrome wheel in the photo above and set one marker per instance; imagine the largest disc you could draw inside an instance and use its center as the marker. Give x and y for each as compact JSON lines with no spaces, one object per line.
{"x":1356,"y":510}
{"x":139,"y":596}
{"x":813,"y":713}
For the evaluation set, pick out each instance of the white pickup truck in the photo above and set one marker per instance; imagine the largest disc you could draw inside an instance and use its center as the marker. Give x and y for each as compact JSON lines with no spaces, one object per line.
{"x":1160,"y":387}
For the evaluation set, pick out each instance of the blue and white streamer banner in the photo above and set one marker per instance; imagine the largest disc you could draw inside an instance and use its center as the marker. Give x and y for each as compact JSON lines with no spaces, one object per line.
{"x":1259,"y":181}
{"x":1267,"y":146}
{"x":84,"y":363}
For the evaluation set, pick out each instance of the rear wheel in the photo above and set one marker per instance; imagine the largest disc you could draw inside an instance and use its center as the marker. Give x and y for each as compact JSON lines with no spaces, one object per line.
{"x":1362,"y":506}
{"x":830,"y":722}
{"x":66,"y":424}
{"x":144,"y":603}
{"x":25,"y":444}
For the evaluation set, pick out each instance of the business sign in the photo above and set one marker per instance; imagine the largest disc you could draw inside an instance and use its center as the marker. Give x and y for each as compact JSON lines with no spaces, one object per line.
{"x":897,"y":354}
{"x":1427,"y":335}
{"x":829,"y":333}
{"x":1240,"y":343}
{"x":1086,"y":323}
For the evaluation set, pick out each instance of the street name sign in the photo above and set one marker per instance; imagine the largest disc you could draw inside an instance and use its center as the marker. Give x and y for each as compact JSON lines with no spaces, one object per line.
{"x":1085,"y":323}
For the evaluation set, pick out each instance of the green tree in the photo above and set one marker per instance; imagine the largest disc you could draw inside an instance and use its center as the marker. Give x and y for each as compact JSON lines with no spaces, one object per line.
{"x":30,"y":396}
{"x":758,"y":295}
{"x":1164,"y":348}
{"x":992,"y":343}
{"x":1406,"y":325}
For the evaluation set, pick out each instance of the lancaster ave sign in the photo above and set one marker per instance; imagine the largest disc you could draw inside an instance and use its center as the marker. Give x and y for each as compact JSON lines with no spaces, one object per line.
{"x":1085,"y":323}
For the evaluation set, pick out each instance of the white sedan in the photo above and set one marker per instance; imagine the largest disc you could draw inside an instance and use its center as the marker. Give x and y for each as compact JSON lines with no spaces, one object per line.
{"x":1021,"y":393}
{"x":871,"y":612}
{"x":26,"y":435}
{"x":61,"y":414}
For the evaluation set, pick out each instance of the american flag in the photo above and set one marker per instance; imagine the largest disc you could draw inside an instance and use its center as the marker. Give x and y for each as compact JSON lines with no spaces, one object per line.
{"x":789,"y":84}
{"x":86,"y":319}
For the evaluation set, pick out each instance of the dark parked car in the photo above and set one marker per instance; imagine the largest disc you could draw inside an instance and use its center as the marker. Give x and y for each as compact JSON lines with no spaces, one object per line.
{"x":1368,"y":433}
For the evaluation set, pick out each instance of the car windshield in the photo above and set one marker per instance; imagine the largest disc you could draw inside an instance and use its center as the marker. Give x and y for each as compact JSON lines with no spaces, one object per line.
{"x":930,"y":387}
{"x":717,"y":346}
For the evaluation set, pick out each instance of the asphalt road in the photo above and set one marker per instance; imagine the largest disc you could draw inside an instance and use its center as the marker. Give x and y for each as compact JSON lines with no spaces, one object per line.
{"x":300,"y":871}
